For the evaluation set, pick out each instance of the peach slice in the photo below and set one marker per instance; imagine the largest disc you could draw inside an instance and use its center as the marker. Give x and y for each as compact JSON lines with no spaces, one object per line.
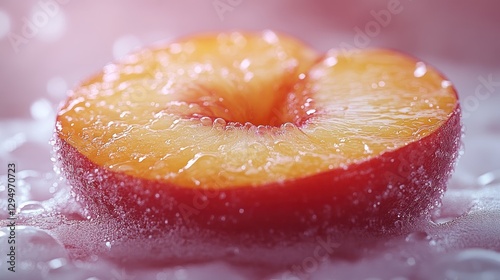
{"x":242,"y":131}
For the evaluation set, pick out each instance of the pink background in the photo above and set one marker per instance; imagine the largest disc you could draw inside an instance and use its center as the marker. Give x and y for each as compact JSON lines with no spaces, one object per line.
{"x":461,"y":38}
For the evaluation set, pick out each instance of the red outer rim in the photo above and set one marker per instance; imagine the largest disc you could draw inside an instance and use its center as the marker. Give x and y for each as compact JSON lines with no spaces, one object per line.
{"x":348,"y":193}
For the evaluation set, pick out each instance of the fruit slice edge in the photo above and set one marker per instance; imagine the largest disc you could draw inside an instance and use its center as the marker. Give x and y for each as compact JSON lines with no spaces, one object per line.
{"x":346,"y":127}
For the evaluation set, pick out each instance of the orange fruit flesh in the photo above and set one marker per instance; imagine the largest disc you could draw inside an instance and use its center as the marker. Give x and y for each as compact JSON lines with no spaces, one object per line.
{"x":250,"y":109}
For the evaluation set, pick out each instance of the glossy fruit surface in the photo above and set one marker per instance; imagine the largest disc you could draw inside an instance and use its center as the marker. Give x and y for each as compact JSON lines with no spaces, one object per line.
{"x":255,"y":130}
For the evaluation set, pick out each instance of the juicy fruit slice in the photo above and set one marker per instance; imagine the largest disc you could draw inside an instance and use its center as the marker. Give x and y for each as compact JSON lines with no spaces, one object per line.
{"x":283,"y":137}
{"x":171,"y":98}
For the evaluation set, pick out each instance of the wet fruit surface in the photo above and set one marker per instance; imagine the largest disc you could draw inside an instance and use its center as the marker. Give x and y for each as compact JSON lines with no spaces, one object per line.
{"x":257,"y":131}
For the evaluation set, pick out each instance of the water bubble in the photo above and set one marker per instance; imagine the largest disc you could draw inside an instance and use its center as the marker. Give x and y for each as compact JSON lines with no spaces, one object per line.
{"x":420,"y":70}
{"x":270,"y":37}
{"x":330,"y":61}
{"x":248,"y":125}
{"x":31,"y":208}
{"x":244,"y":64}
{"x":206,"y":121}
{"x":57,"y":263}
{"x":288,"y":126}
{"x":261,"y":129}
{"x":445,"y":84}
{"x":416,"y":236}
{"x":310,"y":112}
{"x":219,"y":123}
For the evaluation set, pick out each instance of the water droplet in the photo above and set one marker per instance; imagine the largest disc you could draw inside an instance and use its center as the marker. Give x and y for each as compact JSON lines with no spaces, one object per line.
{"x":417,"y":236}
{"x":367,"y":149}
{"x":57,"y":263}
{"x":207,"y":121}
{"x":219,"y":123}
{"x":330,"y":61}
{"x":248,"y":76}
{"x":445,"y":84}
{"x":244,"y":64}
{"x":241,"y":211}
{"x":270,"y":37}
{"x":31,"y":208}
{"x":310,"y":112}
{"x":288,"y":126}
{"x":197,"y":157}
{"x":420,"y":69}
